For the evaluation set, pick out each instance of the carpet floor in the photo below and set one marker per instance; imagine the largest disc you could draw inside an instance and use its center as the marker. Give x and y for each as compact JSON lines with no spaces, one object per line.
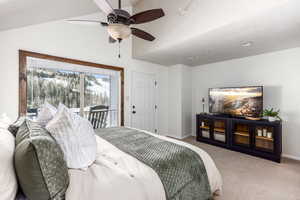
{"x":249,"y":178}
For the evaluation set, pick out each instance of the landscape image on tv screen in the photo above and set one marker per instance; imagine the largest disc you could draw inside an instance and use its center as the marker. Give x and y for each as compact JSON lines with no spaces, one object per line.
{"x":245,"y":101}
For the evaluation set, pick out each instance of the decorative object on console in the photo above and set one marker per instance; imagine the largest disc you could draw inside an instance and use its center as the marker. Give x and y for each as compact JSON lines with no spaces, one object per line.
{"x":253,"y":118}
{"x":270,"y":135}
{"x":259,"y":133}
{"x":203,"y":105}
{"x":264,"y":132}
{"x":272,"y":114}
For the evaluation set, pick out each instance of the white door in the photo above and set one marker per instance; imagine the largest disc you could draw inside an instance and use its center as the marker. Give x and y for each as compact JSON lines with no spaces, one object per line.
{"x":143,"y":106}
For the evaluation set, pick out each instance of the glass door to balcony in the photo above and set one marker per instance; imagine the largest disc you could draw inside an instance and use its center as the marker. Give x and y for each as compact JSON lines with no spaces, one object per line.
{"x":78,"y":87}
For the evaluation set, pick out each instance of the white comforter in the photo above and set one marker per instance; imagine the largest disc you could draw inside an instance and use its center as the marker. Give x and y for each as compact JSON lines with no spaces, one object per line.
{"x":116,"y":175}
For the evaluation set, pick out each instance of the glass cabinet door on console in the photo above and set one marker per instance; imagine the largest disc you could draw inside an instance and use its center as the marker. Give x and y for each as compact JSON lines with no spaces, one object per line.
{"x":241,"y":135}
{"x":205,"y":128}
{"x":264,"y":138}
{"x":219,"y":131}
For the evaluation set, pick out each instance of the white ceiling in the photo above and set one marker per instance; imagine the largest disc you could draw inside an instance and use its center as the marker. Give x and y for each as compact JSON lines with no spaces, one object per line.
{"x":210,"y":31}
{"x":213,"y":30}
{"x":19,"y":13}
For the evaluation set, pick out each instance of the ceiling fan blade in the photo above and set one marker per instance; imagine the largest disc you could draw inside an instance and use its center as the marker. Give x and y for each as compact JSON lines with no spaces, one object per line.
{"x":147,"y":16}
{"x":87,"y":22}
{"x":142,"y":34}
{"x":112,"y":40}
{"x":104,"y":24}
{"x":104,"y":6}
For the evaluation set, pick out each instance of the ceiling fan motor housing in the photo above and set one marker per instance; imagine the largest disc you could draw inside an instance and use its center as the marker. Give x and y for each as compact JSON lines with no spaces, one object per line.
{"x":119,"y":17}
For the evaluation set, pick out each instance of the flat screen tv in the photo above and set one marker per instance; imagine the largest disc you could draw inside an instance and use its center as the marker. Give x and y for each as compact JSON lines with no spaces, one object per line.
{"x":238,"y":101}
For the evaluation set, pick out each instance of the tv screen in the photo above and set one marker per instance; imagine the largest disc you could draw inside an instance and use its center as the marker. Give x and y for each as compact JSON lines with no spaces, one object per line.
{"x":242,"y":101}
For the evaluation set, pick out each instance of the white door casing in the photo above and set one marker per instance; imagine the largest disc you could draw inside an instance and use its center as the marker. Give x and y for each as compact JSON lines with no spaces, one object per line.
{"x":143,"y":101}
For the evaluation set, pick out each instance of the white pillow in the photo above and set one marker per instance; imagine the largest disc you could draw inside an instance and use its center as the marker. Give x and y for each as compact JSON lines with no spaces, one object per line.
{"x":8,"y":181}
{"x":45,"y":114}
{"x":4,"y":121}
{"x":75,"y":136}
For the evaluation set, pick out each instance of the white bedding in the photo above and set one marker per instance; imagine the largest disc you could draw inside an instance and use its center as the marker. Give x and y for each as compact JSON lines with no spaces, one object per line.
{"x":116,"y":175}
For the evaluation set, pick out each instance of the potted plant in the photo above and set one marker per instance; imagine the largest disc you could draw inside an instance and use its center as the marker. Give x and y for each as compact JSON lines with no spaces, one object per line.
{"x":271,"y":114}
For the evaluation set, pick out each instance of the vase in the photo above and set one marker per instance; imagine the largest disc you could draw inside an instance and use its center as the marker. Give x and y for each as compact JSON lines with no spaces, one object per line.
{"x":272,"y":119}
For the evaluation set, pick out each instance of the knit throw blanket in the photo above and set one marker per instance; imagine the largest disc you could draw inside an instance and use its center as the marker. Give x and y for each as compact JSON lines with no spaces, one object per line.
{"x":180,"y":169}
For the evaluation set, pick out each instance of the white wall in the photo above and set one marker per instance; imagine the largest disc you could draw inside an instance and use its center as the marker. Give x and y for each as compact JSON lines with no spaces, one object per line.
{"x":87,"y":43}
{"x":278,"y":72}
{"x":186,"y":100}
{"x":175,"y":102}
{"x":180,"y":101}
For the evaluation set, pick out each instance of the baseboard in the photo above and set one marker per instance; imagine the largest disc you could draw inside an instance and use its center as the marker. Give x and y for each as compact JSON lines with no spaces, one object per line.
{"x":179,"y":138}
{"x":186,"y":136}
{"x":291,"y":157}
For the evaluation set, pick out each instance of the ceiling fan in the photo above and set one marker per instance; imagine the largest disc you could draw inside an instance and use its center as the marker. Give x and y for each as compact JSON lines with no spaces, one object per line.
{"x":119,"y":21}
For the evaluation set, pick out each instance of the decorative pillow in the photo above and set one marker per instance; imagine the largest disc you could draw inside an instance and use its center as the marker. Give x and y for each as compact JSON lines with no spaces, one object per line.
{"x":8,"y":181}
{"x":76,"y":137}
{"x":45,"y":114}
{"x":39,"y":162}
{"x":4,"y":121}
{"x":13,"y":128}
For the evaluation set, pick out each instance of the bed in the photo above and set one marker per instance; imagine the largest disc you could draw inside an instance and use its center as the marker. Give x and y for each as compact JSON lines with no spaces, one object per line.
{"x":116,"y":175}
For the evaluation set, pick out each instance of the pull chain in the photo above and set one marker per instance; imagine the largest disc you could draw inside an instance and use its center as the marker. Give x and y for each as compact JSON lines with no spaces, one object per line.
{"x":120,"y":48}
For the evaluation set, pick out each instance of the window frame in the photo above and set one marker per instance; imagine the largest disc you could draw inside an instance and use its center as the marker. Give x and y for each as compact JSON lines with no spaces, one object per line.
{"x":23,"y":77}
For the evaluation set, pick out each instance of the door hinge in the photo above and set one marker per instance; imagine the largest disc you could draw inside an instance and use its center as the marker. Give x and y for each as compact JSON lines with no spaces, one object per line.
{"x":155,"y":83}
{"x":155,"y":130}
{"x":155,"y":106}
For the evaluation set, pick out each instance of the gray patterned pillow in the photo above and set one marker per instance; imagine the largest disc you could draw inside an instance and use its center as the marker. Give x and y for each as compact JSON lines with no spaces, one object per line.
{"x":39,"y":163}
{"x":13,"y":128}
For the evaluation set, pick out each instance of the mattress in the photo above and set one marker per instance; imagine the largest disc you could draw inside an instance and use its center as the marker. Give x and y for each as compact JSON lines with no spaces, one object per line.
{"x":116,"y":175}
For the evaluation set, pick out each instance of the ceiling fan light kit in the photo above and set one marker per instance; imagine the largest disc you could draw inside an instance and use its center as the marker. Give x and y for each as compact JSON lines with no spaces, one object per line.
{"x":119,"y":31}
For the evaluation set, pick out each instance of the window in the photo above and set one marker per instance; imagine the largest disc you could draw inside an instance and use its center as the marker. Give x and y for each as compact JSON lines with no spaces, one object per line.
{"x":78,"y":86}
{"x":53,"y":86}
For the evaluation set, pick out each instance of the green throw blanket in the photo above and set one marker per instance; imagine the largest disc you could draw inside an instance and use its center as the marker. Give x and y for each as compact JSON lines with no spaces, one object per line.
{"x":180,"y":169}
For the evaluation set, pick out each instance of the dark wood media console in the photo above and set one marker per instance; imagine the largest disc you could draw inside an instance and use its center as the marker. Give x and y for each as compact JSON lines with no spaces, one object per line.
{"x":258,"y":138}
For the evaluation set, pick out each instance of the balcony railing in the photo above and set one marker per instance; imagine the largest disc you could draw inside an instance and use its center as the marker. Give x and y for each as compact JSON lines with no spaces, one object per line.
{"x":111,"y":121}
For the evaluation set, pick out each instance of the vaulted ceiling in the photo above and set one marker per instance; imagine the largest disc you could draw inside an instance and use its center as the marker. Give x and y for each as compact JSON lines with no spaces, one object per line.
{"x":19,"y":13}
{"x":196,"y":32}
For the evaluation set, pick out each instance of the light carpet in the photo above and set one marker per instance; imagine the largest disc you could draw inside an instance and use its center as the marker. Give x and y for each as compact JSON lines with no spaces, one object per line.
{"x":249,"y":178}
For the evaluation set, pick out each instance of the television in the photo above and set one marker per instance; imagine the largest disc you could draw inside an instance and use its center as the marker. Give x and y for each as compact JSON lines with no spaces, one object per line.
{"x":236,"y":101}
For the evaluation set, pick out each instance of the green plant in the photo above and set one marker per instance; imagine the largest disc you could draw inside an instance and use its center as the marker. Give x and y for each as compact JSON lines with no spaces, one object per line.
{"x":271,"y":113}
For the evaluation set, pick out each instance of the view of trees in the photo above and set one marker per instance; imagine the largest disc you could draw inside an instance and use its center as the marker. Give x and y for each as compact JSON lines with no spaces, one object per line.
{"x":55,"y":86}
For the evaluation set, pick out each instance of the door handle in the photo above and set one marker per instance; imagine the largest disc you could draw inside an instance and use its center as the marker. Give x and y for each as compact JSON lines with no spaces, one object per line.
{"x":133,"y":112}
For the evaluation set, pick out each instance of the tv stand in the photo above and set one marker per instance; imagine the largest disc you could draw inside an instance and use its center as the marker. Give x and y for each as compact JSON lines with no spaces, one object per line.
{"x":258,"y":138}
